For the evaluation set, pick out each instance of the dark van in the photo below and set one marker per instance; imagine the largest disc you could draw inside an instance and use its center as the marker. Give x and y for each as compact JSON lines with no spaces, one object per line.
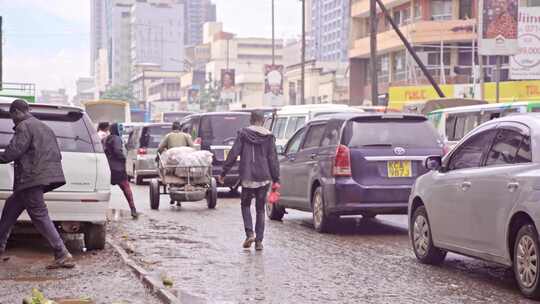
{"x":216,"y":132}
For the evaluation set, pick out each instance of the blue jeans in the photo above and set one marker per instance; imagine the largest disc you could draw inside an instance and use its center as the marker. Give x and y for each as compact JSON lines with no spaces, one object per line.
{"x":32,"y":201}
{"x":248,"y":194}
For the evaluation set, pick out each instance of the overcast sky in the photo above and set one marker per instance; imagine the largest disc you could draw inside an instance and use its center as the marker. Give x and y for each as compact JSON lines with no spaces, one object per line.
{"x":47,"y":41}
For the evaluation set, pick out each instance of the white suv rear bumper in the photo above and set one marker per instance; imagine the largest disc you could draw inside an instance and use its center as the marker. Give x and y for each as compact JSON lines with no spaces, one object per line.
{"x":71,"y":206}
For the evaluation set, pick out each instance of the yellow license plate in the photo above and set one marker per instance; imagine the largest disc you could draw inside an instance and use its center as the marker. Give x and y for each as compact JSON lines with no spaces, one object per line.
{"x":399,"y":168}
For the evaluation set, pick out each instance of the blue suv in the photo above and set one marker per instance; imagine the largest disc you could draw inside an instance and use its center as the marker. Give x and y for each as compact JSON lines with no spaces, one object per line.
{"x":354,"y":164}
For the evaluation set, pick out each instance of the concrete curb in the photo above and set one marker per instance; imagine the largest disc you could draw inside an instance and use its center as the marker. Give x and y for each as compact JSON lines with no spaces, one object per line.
{"x":156,"y":286}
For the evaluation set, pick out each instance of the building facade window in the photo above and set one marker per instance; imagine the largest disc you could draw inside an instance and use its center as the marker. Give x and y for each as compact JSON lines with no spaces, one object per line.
{"x":399,"y":66}
{"x":465,"y":9}
{"x":441,"y":9}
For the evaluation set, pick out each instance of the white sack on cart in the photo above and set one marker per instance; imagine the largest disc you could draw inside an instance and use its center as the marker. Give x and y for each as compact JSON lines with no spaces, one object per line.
{"x":174,"y":156}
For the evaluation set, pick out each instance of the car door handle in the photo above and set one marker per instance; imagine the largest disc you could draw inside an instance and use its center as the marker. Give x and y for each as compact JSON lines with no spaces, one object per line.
{"x":512,"y":186}
{"x":465,"y":186}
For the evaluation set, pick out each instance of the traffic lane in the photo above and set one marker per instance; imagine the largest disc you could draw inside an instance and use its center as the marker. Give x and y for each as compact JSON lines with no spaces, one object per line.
{"x":100,"y":275}
{"x":367,"y":261}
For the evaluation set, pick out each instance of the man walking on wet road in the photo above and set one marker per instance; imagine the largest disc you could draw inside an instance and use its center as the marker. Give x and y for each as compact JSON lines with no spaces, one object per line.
{"x":38,"y":169}
{"x":259,"y":167}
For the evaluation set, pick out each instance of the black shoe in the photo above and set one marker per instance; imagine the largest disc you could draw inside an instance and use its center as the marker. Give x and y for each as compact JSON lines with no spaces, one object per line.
{"x":248,"y":242}
{"x":134,"y":214}
{"x":64,"y":262}
{"x":4,"y":257}
{"x":259,"y":246}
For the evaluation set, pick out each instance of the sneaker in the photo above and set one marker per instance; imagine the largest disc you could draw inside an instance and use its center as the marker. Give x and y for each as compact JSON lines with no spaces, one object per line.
{"x":259,"y":246}
{"x":64,"y":262}
{"x":134,"y":214}
{"x":248,"y":242}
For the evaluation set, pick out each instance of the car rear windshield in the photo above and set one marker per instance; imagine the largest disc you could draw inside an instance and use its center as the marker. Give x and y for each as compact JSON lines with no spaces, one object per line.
{"x":152,"y":135}
{"x":222,"y":128}
{"x":70,"y":130}
{"x":391,"y":132}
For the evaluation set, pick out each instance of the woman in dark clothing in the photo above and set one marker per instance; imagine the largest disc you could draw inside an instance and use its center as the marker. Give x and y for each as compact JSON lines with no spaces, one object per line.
{"x":112,"y":145}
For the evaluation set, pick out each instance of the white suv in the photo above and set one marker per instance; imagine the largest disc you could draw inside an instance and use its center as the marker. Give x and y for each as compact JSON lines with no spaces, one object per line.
{"x":81,"y":205}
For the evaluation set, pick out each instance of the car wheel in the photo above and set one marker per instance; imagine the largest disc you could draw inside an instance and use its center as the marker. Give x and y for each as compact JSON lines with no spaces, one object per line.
{"x":422,"y":240}
{"x":154,"y":194}
{"x":94,"y":237}
{"x":211,"y":195}
{"x":321,"y":220}
{"x":526,"y":259}
{"x":274,"y":211}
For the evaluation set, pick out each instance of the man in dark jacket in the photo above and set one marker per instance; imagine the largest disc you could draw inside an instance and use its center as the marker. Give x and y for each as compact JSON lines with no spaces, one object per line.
{"x":38,"y":169}
{"x":259,"y":167}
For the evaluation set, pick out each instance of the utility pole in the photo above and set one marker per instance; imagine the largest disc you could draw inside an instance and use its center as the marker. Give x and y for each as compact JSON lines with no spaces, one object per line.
{"x":373,"y":52}
{"x":498,"y":79}
{"x":1,"y":46}
{"x":303,"y":65}
{"x":273,"y":36}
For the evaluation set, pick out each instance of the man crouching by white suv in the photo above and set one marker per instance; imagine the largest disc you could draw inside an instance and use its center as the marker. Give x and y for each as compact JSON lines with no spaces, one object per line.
{"x":38,"y":170}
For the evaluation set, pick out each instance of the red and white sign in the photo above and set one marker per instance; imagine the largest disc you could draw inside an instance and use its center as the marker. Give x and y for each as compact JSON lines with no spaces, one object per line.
{"x":526,"y":64}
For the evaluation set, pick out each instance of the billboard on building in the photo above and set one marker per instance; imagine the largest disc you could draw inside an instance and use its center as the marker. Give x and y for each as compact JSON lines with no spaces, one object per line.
{"x":526,"y":63}
{"x":273,"y":85}
{"x":228,"y":94}
{"x":498,"y":27}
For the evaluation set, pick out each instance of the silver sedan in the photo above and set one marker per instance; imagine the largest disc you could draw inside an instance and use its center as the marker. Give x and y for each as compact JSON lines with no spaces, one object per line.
{"x":483,"y":200}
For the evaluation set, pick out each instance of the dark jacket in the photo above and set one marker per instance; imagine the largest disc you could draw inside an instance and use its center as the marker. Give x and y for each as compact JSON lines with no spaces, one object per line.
{"x":37,"y":157}
{"x":256,"y":147}
{"x":112,"y":146}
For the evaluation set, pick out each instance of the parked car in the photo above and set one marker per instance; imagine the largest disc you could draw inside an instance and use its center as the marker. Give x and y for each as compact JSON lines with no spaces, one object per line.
{"x":142,"y":148}
{"x":481,"y":200}
{"x":127,"y":128}
{"x":81,"y":205}
{"x":291,"y":118}
{"x":174,"y":116}
{"x":354,"y":164}
{"x":216,"y":132}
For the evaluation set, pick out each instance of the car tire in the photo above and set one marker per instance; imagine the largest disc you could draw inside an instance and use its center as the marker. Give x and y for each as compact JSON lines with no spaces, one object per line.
{"x":211,"y":195}
{"x":94,"y":237}
{"x":527,"y":274}
{"x":274,"y":211}
{"x":422,"y":241}
{"x":322,"y":221}
{"x":154,"y":194}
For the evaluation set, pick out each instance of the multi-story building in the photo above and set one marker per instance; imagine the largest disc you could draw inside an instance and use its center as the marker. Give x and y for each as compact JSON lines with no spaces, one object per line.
{"x":102,"y":80}
{"x":327,"y":29}
{"x":247,"y":57}
{"x":442,"y":32}
{"x":85,"y":90}
{"x":120,"y":43}
{"x":54,"y":97}
{"x":164,"y":96}
{"x":97,"y":30}
{"x":157,"y":35}
{"x":197,"y":13}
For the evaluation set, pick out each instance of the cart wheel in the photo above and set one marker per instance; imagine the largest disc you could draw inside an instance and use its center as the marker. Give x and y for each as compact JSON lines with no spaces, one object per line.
{"x":211,"y":195}
{"x":154,"y":194}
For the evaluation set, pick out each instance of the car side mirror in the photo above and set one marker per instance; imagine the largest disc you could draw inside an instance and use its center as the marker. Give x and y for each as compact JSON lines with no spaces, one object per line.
{"x":433,"y":163}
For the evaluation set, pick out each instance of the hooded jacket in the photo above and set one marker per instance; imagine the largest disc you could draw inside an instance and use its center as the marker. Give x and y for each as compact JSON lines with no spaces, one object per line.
{"x":112,"y":146}
{"x":37,"y":157}
{"x":256,"y":147}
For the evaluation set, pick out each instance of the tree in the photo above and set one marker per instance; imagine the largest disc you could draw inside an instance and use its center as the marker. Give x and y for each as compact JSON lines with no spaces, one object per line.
{"x":119,"y":93}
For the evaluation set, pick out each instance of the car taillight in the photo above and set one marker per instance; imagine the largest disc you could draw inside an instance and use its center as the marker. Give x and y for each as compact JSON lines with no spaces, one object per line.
{"x":198,"y":141}
{"x":342,"y":162}
{"x":141,"y":151}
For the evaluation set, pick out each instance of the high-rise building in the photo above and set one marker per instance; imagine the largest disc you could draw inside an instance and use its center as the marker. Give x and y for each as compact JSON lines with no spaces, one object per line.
{"x":97,"y":30}
{"x":120,"y":44}
{"x":197,"y":12}
{"x":58,"y":97}
{"x":327,"y":29}
{"x":157,"y":35}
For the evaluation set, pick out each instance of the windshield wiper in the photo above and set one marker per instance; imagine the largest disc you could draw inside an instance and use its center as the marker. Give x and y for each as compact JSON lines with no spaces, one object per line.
{"x":76,"y":138}
{"x":377,"y":145}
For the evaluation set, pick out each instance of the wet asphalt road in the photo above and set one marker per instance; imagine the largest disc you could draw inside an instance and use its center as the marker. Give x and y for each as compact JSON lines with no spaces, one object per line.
{"x":364,"y":261}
